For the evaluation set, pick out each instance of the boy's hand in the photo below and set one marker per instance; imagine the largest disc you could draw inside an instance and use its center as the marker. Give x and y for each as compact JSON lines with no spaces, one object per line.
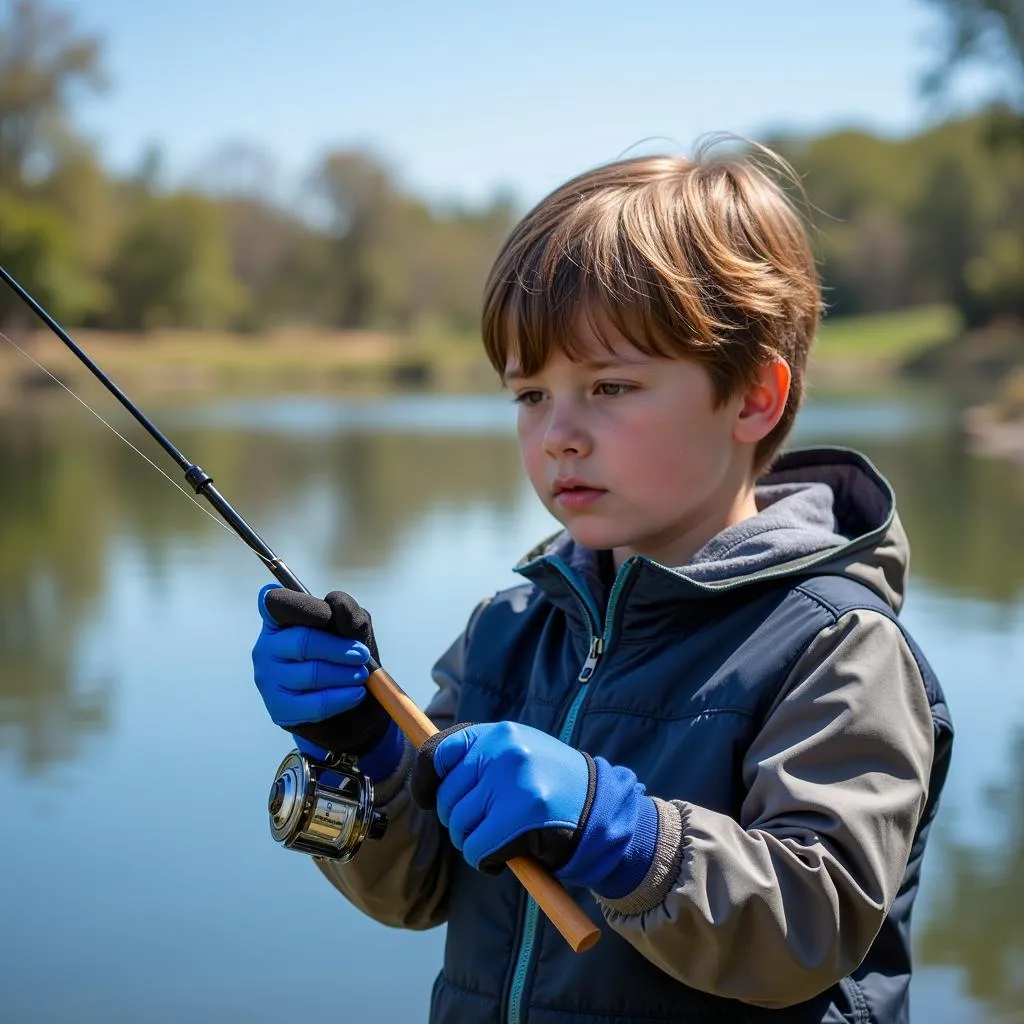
{"x":504,"y":790}
{"x":309,"y":665}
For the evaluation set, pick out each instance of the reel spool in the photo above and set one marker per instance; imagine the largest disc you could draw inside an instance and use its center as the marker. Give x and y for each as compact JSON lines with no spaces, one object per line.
{"x":323,"y":810}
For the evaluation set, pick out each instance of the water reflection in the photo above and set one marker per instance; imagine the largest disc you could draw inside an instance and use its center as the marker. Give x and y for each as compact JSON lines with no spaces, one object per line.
{"x":362,"y":476}
{"x":51,"y":571}
{"x":962,"y":512}
{"x":375,"y":487}
{"x":72,"y":488}
{"x":102,"y":564}
{"x":977,"y":923}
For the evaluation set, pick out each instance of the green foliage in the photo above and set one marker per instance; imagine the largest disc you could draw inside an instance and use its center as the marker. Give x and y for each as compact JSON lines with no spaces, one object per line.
{"x":282,"y":264}
{"x":396,"y":262}
{"x":171,"y":267}
{"x":927,"y":219}
{"x":37,"y":246}
{"x":82,"y":193}
{"x":996,"y":272}
{"x":934,"y":220}
{"x":42,"y":60}
{"x":987,"y":33}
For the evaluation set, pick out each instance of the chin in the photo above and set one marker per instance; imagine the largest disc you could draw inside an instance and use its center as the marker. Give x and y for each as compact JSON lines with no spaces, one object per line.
{"x":596,"y":536}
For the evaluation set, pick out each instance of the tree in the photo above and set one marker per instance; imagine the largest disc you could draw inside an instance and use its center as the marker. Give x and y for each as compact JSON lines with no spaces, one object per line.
{"x":936,"y":217}
{"x":237,"y":170}
{"x":43,"y":60}
{"x":361,"y":203}
{"x":946,"y":225}
{"x":283,"y":263}
{"x":171,"y":266}
{"x":987,"y":34}
{"x":38,"y":248}
{"x":397,"y":262}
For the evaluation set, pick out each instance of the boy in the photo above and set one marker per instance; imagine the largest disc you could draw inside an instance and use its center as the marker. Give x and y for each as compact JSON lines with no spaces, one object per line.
{"x":699,"y":710}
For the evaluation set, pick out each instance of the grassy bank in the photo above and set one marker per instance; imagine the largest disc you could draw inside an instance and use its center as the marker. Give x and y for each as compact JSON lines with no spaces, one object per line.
{"x":880,"y":343}
{"x":304,"y":360}
{"x":856,"y":349}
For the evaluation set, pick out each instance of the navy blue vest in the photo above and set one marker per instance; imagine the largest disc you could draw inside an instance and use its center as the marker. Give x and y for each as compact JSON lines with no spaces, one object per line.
{"x":678,"y":696}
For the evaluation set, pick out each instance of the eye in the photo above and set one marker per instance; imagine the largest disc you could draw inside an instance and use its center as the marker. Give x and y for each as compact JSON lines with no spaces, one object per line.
{"x":528,"y":397}
{"x":610,"y":389}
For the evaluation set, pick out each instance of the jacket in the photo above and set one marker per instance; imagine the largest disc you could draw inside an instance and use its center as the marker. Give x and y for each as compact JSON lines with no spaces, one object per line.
{"x":793,"y":736}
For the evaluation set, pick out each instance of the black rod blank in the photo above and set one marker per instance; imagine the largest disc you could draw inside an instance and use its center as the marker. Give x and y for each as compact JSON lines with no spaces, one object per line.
{"x":198,"y":478}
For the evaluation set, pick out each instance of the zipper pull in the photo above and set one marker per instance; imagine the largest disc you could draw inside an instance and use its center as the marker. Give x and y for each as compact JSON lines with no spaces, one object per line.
{"x":596,"y":647}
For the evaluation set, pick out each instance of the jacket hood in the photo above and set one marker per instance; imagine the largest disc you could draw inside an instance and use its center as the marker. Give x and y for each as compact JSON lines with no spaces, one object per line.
{"x":824,"y":511}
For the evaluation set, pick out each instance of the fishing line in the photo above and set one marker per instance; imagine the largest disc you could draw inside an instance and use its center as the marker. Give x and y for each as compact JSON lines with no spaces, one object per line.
{"x":200,"y":481}
{"x":325,"y":809}
{"x":174,"y":483}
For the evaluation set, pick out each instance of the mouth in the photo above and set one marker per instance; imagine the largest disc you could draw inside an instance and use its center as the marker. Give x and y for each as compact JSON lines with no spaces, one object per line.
{"x":574,"y":495}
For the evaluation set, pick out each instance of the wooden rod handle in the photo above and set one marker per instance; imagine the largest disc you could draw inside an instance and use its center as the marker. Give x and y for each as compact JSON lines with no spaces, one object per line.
{"x":576,"y":928}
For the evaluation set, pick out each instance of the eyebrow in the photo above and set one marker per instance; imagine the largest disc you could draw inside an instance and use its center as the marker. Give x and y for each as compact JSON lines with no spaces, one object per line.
{"x":515,"y":373}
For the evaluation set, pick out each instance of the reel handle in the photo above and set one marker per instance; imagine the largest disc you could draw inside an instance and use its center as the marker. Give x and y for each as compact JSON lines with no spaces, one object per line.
{"x":576,"y":928}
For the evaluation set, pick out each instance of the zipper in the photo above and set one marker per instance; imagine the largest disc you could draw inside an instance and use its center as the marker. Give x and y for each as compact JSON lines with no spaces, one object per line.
{"x":525,"y":955}
{"x":531,"y":917}
{"x":599,"y":640}
{"x":596,"y":647}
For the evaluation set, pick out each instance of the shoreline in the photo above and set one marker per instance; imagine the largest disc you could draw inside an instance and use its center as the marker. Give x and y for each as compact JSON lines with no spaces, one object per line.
{"x":870,"y":348}
{"x":199,"y":363}
{"x":315,"y":361}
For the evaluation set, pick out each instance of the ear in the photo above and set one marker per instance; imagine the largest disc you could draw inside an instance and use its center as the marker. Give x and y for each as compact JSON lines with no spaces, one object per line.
{"x":763,"y":403}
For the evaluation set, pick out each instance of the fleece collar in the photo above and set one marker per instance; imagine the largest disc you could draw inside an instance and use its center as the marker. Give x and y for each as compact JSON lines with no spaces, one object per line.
{"x":820,"y":510}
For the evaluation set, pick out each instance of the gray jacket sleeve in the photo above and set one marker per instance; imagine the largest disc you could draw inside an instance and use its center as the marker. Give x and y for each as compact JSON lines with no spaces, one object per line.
{"x":402,"y":879}
{"x":781,"y":904}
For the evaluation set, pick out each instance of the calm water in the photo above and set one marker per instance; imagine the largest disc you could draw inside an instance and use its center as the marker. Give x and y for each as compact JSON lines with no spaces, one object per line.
{"x":139,"y":880}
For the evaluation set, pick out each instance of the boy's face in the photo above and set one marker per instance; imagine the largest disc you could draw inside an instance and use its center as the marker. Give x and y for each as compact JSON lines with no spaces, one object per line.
{"x":630,"y":453}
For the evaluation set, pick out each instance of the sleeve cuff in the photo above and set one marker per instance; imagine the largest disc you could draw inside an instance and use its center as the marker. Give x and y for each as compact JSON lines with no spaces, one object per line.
{"x":665,"y":867}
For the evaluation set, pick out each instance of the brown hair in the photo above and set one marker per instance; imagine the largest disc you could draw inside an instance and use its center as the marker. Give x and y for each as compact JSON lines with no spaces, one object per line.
{"x":705,"y":259}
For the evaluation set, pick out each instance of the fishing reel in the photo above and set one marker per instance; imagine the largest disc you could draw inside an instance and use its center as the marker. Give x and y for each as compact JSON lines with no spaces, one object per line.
{"x":323,"y":810}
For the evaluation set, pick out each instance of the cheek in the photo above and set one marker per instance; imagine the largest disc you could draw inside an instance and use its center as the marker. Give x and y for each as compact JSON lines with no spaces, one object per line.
{"x":530,"y":451}
{"x":674,"y":453}
{"x":661,"y":465}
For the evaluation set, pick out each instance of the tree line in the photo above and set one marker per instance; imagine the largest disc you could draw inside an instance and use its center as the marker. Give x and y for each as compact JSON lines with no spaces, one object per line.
{"x":938,"y":217}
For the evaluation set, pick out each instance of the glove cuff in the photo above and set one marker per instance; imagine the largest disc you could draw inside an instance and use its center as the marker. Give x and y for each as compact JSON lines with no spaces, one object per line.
{"x":638,"y":857}
{"x":398,"y":781}
{"x":380,"y":762}
{"x":425,"y":780}
{"x":618,"y":836}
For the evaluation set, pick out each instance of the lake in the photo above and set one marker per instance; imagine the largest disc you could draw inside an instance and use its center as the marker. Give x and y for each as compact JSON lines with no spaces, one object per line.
{"x":140,"y":881}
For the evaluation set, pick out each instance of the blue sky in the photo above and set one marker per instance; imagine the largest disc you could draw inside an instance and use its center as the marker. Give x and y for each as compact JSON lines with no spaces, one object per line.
{"x":465,"y":98}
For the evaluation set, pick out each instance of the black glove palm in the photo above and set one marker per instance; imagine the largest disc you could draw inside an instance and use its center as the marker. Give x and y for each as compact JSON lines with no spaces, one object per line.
{"x":356,"y":731}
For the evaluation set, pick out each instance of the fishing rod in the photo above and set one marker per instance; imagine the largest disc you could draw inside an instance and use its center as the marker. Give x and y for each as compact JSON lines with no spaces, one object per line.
{"x":326,"y":810}
{"x":198,"y":478}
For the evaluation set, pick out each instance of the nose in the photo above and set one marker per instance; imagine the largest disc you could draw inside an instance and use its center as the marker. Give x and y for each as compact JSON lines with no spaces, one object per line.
{"x":565,"y":433}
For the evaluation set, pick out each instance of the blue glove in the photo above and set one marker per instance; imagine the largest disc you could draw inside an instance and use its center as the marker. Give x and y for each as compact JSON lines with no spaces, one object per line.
{"x":311,"y":680}
{"x":504,"y":790}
